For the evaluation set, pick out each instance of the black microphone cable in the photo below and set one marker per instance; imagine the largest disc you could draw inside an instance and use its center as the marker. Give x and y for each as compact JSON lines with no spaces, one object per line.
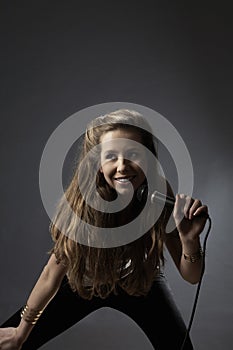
{"x":198,"y":286}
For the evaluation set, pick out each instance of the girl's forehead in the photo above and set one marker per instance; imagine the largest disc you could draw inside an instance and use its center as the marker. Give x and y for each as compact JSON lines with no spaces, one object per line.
{"x":127,"y":134}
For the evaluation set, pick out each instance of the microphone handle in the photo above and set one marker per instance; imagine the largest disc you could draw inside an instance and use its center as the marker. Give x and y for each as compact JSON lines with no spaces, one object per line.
{"x":162,"y":198}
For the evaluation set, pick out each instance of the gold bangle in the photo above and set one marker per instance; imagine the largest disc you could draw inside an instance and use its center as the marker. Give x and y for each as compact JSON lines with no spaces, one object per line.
{"x":30,"y":315}
{"x":194,"y":257}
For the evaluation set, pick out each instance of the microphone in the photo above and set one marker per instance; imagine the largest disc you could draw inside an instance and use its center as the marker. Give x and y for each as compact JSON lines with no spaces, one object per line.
{"x":155,"y":197}
{"x":167,"y":200}
{"x":162,"y":198}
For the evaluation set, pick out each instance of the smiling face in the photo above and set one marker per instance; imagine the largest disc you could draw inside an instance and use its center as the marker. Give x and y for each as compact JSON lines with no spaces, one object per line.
{"x":122,"y":160}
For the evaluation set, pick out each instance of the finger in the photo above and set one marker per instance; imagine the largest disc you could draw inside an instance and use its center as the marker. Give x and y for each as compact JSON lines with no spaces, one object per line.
{"x":188,"y":204}
{"x":179,"y":204}
{"x":201,"y":211}
{"x":196,"y":204}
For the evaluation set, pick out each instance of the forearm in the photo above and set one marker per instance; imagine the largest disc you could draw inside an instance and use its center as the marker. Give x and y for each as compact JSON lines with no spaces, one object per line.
{"x":44,"y":290}
{"x":191,"y":270}
{"x":39,"y":298}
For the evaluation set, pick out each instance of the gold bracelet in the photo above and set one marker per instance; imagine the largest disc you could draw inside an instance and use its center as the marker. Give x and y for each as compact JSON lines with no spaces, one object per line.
{"x":30,"y":315}
{"x":194,"y":257}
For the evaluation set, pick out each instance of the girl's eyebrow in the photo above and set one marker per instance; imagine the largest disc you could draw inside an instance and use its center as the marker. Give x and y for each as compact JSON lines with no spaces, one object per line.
{"x":115,"y":150}
{"x":109,"y":151}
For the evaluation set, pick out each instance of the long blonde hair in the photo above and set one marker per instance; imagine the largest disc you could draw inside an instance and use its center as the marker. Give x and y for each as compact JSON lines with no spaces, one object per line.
{"x":95,"y":271}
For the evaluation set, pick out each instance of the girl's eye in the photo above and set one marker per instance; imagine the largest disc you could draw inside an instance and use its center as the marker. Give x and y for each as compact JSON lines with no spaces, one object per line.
{"x":110,"y":156}
{"x":132,"y":155}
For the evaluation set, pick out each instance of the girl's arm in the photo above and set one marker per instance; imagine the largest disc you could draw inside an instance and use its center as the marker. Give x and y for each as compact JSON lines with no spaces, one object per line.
{"x":184,"y":241}
{"x":44,"y":290}
{"x":190,"y":271}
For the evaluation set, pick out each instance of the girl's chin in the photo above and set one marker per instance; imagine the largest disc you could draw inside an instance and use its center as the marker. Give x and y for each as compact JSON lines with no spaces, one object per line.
{"x":126,"y":192}
{"x":125,"y":189}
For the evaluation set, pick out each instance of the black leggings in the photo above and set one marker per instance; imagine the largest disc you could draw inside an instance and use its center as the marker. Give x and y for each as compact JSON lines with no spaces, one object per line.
{"x":156,"y":314}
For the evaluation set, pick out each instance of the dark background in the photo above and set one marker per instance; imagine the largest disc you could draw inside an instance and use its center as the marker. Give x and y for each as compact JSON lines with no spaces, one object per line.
{"x":59,"y":57}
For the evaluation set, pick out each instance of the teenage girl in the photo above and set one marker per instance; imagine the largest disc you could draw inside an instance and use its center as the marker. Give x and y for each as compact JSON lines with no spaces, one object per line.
{"x":83,"y":272}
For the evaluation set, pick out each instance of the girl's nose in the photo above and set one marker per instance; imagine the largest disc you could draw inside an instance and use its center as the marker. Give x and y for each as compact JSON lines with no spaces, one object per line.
{"x":121,"y":164}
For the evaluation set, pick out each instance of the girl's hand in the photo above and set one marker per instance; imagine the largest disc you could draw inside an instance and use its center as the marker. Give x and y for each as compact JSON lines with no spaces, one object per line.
{"x":9,"y":339}
{"x":190,"y":216}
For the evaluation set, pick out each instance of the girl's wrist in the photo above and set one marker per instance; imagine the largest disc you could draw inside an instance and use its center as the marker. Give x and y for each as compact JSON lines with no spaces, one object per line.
{"x":192,"y":250}
{"x":22,"y":331}
{"x":19,"y":338}
{"x":190,"y":246}
{"x":194,"y":256}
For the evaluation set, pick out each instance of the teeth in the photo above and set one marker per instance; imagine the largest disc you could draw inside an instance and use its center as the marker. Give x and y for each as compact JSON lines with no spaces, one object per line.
{"x":123,"y":180}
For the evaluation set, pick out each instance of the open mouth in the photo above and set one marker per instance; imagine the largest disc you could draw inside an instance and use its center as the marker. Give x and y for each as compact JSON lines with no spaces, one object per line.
{"x":125,"y":179}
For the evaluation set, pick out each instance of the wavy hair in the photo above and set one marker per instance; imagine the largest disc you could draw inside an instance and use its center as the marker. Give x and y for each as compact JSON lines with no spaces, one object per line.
{"x":95,"y":271}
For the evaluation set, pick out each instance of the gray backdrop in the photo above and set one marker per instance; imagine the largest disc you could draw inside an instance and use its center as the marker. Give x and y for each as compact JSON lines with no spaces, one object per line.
{"x":60,"y":57}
